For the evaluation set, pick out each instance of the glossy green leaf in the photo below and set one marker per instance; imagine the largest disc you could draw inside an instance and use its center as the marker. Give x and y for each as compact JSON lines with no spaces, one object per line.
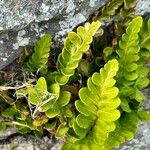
{"x":53,"y":112}
{"x":125,"y":106}
{"x":144,"y":115}
{"x":64,"y":98}
{"x":9,"y":112}
{"x":61,"y":131}
{"x":33,"y":96}
{"x":41,"y":84}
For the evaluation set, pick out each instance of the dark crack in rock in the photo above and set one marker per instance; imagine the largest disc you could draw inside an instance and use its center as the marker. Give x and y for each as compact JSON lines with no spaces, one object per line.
{"x":23,"y":21}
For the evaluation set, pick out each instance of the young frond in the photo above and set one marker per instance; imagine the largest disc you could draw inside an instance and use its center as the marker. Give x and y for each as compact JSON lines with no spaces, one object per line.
{"x":74,"y":47}
{"x":40,"y":55}
{"x":97,"y":109}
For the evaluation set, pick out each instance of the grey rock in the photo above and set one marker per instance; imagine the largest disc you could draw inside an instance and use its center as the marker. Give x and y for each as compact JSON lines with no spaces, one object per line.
{"x":29,"y":142}
{"x":142,"y":7}
{"x":8,"y":132}
{"x":23,"y":21}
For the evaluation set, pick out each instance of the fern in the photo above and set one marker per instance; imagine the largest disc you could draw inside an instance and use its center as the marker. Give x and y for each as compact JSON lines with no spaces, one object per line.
{"x":126,"y":128}
{"x":74,"y":47}
{"x":132,"y":77}
{"x":145,"y":35}
{"x":109,"y":9}
{"x":129,"y":4}
{"x":126,"y":14}
{"x":41,"y":53}
{"x":128,"y":59}
{"x":98,"y":109}
{"x":49,"y":102}
{"x":144,"y":115}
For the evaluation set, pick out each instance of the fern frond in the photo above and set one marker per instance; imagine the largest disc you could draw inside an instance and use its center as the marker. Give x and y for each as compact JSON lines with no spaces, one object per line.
{"x":129,"y":48}
{"x":74,"y":47}
{"x":145,"y":35}
{"x":98,"y":109}
{"x":41,"y":53}
{"x":129,"y":57}
{"x":144,"y":115}
{"x":126,"y":128}
{"x":109,"y":9}
{"x":129,"y":4}
{"x":132,"y":73}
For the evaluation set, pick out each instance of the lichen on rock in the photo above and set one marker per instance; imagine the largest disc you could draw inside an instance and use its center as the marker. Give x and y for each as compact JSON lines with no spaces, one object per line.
{"x":23,"y":21}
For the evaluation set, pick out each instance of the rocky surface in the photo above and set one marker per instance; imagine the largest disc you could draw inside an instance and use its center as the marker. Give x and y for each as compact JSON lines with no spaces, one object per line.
{"x":143,"y":7}
{"x":29,"y":142}
{"x":22,"y":21}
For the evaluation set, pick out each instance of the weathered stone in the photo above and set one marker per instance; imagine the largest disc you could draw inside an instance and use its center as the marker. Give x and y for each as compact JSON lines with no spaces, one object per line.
{"x":143,"y":7}
{"x":29,"y":142}
{"x":22,"y":21}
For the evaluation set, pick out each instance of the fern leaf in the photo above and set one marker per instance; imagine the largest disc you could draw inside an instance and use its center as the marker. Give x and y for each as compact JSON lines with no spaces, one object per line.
{"x":144,"y":115}
{"x":110,"y":9}
{"x":129,"y":56}
{"x":56,"y":106}
{"x":129,"y":4}
{"x":41,"y":53}
{"x":98,"y":108}
{"x":126,"y":128}
{"x":74,"y":47}
{"x":145,"y":35}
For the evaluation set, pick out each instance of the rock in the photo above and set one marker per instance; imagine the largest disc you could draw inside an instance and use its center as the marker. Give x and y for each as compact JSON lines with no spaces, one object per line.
{"x":142,"y":7}
{"x":8,"y":132}
{"x":22,"y":21}
{"x":29,"y":142}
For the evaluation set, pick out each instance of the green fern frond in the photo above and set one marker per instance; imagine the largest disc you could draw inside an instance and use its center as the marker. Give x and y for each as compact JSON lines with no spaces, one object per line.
{"x":74,"y":47}
{"x":109,"y":9}
{"x":126,"y":128}
{"x":144,"y":115}
{"x":41,"y":53}
{"x":132,"y":77}
{"x":129,"y":57}
{"x":129,"y":4}
{"x":98,"y":109}
{"x":132,"y":72}
{"x":145,"y":35}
